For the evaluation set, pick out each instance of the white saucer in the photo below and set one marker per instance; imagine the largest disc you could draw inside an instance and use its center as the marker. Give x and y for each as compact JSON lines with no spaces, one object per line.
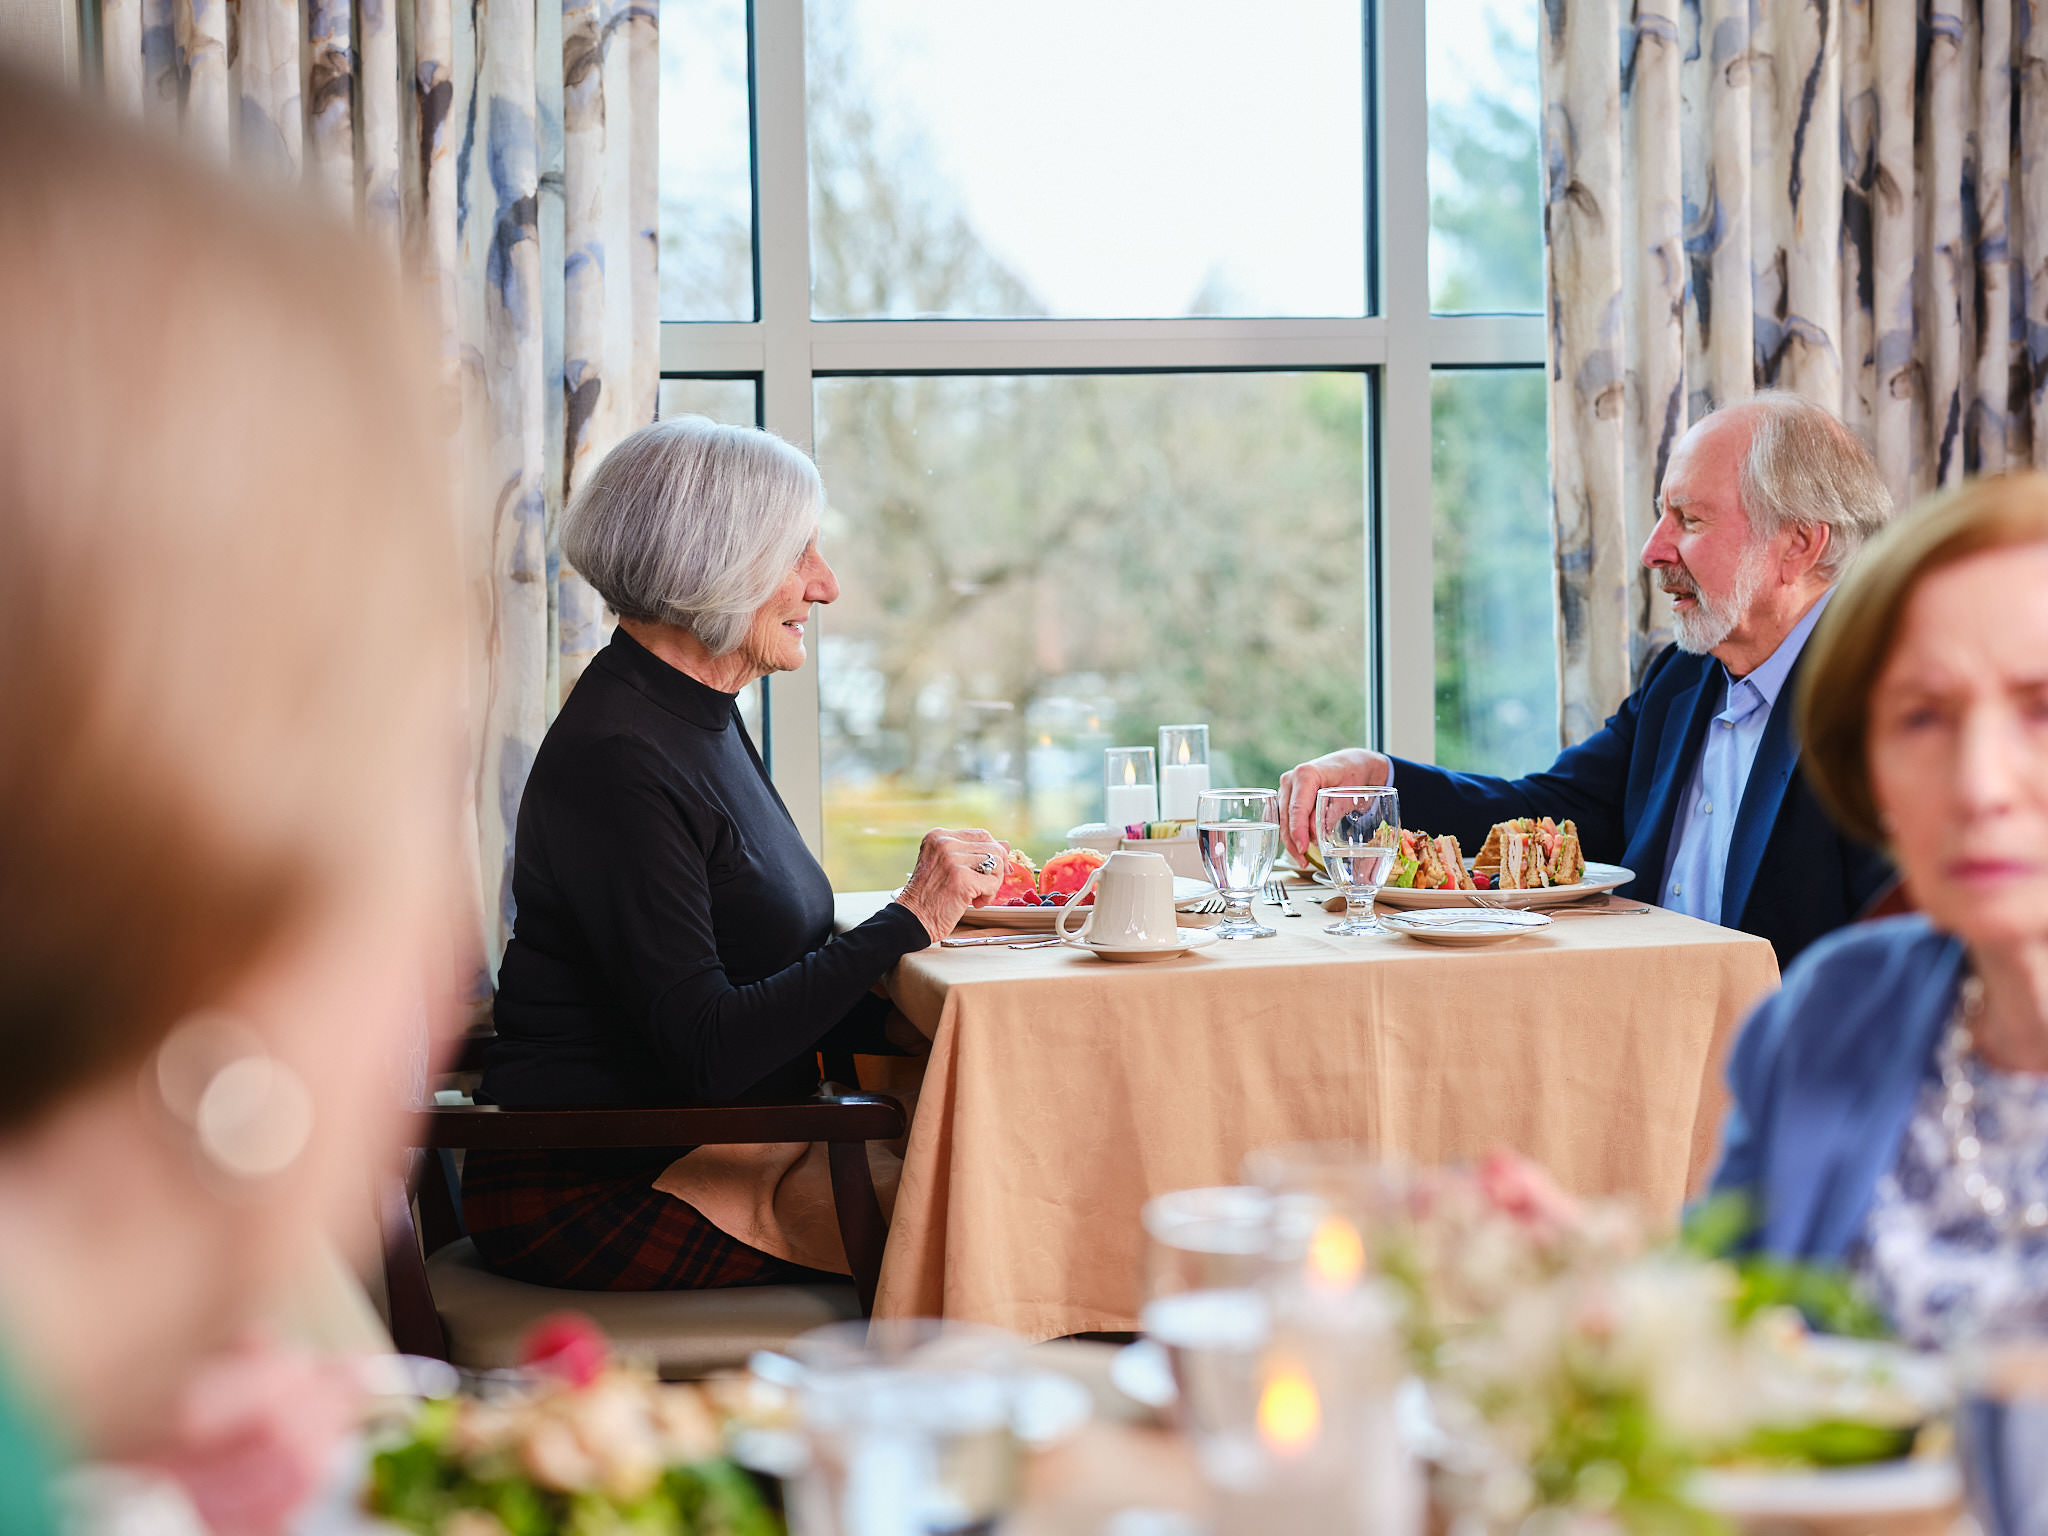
{"x":1463,"y":927}
{"x":1190,"y":938}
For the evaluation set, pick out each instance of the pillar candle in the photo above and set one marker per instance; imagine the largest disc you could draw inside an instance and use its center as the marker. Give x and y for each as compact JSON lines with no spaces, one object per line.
{"x":1128,"y":803}
{"x":1179,"y":784}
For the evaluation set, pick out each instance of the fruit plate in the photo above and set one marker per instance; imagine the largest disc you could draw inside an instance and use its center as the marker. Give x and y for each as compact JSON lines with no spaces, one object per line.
{"x":1186,"y":893}
{"x":1599,"y":878}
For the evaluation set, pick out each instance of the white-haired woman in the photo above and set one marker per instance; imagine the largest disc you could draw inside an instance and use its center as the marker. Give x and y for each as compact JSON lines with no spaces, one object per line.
{"x":673,"y":938}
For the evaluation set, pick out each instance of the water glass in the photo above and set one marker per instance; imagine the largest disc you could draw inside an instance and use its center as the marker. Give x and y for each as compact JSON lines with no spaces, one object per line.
{"x":2001,"y":1430}
{"x":910,"y":1427}
{"x":1289,"y":1415}
{"x":1205,"y":1239}
{"x":1238,"y":834}
{"x":1357,"y":830}
{"x":1332,"y":1204}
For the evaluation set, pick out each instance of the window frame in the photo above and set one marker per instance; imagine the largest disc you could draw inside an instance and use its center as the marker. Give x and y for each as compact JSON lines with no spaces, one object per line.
{"x":1396,"y":347}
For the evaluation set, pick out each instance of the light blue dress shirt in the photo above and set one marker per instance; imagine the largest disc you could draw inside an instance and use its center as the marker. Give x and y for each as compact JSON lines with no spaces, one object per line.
{"x":1706,"y":816}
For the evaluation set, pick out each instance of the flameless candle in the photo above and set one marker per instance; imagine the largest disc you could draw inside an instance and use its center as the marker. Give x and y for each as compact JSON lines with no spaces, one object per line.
{"x":1183,"y":769}
{"x":1130,"y":786}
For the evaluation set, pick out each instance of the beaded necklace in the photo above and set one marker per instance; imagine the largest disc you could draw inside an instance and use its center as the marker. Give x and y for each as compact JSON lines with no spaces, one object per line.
{"x":1959,"y":1120}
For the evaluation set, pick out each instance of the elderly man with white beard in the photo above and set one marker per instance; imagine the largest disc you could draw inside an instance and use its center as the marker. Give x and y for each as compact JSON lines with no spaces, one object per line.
{"x":1693,"y":782}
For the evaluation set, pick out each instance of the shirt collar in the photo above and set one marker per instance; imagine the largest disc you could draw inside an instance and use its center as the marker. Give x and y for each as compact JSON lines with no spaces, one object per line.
{"x":669,"y":686}
{"x":1769,"y":679}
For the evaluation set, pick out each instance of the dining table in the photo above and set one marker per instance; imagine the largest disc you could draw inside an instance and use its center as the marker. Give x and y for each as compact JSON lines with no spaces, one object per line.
{"x":1062,"y":1091}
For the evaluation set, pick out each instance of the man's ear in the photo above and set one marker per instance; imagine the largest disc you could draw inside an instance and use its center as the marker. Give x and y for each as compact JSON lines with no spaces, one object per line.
{"x":1806,"y":546}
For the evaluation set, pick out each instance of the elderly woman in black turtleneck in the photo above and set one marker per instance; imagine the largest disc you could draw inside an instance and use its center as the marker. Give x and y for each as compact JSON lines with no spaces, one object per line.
{"x":673,"y":940}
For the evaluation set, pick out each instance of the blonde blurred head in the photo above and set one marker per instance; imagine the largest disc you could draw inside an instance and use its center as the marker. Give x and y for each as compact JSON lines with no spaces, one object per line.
{"x":228,"y":770}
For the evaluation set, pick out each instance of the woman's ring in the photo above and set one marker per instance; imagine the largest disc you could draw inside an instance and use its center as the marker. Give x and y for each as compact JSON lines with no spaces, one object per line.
{"x":988,"y":865}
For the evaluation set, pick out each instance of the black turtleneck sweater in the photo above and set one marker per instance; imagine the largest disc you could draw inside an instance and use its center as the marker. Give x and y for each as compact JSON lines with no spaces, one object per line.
{"x":672,"y":941}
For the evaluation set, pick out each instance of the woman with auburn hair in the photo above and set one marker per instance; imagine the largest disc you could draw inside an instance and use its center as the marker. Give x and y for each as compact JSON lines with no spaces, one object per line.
{"x":229,"y":672}
{"x":1891,"y":1102}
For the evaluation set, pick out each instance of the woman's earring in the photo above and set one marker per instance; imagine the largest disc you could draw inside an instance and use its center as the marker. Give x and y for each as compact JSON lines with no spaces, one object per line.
{"x":250,"y":1115}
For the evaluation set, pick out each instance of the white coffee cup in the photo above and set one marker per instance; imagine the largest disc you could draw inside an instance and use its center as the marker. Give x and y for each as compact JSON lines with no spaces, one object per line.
{"x":1133,"y":904}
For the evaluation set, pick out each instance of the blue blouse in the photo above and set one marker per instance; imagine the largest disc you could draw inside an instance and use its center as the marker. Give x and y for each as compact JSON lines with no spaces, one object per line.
{"x":1929,"y":1257}
{"x":1837,"y":1139}
{"x":1826,"y":1075}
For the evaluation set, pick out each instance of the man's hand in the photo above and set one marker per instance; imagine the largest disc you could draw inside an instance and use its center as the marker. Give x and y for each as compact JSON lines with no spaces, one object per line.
{"x":1349,"y":769}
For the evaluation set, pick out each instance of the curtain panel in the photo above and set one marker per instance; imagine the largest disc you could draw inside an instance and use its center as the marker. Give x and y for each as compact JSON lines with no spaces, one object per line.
{"x":1843,"y":198}
{"x":504,"y":153}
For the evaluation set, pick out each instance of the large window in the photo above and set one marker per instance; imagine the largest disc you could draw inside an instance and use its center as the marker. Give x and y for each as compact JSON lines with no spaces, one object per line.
{"x":1194,"y":157}
{"x":1166,"y":360}
{"x":1036,"y":568}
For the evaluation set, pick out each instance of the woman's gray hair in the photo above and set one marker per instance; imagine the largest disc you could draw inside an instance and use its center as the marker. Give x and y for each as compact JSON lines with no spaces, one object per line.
{"x":1805,"y":468}
{"x":691,"y":523}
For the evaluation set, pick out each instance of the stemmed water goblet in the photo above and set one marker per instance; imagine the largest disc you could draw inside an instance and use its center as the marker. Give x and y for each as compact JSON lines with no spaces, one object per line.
{"x":1237,"y":832}
{"x":1357,"y":830}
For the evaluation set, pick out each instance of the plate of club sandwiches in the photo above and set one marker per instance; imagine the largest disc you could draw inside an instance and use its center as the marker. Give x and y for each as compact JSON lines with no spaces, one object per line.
{"x":1528,"y":862}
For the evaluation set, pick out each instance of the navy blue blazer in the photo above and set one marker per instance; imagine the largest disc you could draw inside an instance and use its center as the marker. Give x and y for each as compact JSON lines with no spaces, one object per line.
{"x":1791,"y":876}
{"x":1825,"y":1075}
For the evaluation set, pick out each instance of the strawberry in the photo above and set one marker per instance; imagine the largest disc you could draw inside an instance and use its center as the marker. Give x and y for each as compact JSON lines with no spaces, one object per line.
{"x":567,"y":1346}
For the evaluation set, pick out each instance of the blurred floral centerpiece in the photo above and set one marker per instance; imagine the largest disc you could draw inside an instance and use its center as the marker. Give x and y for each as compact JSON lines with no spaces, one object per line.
{"x":584,"y":1447}
{"x":1580,"y":1371}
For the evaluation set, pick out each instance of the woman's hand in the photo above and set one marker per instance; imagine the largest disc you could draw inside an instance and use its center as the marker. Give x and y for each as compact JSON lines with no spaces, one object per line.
{"x":1352,"y":768}
{"x":950,"y":877}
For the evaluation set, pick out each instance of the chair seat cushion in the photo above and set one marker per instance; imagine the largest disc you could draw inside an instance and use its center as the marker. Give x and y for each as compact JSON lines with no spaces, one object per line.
{"x":681,"y":1333}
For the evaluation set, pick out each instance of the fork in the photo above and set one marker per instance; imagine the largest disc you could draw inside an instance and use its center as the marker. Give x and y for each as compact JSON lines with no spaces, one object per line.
{"x":1276,"y":893}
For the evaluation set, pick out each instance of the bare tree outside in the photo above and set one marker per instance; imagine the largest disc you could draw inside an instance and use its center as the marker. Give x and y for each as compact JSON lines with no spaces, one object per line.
{"x":1036,"y":567}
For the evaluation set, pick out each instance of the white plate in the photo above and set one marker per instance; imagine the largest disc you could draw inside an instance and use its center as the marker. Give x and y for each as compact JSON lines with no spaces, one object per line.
{"x":1190,"y":938}
{"x":1186,"y":893}
{"x":1803,"y":1494}
{"x":1463,"y":927}
{"x":1143,"y":1372}
{"x":1599,"y":878}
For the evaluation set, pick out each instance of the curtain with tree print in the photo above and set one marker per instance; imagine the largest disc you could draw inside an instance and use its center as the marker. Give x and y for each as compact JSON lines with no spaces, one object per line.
{"x":1843,"y":198}
{"x":504,"y":152}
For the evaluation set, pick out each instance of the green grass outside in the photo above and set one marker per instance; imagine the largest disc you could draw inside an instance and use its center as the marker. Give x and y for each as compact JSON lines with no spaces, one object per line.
{"x":872,"y":832}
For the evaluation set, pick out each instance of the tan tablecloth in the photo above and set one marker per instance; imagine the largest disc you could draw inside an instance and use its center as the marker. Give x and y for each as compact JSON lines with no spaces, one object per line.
{"x":1063,"y":1091}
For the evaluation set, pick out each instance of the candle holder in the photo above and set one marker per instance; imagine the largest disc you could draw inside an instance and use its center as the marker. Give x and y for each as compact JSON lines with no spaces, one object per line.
{"x":1130,"y":787}
{"x":1183,"y":769}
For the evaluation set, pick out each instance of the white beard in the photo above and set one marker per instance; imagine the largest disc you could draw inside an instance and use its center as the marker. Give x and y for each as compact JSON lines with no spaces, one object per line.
{"x":1711,"y":622}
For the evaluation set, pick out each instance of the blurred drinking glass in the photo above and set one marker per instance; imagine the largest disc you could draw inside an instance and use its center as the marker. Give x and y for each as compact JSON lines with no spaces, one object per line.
{"x":1288,"y":1410}
{"x":1238,"y":834}
{"x":910,"y":1424}
{"x":1357,"y":830}
{"x":1331,"y":1201}
{"x":2002,"y":1433}
{"x":1205,"y":1240}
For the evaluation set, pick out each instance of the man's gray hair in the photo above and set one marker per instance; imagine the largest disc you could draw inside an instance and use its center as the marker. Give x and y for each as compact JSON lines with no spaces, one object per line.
{"x":691,"y":523}
{"x":1805,"y":468}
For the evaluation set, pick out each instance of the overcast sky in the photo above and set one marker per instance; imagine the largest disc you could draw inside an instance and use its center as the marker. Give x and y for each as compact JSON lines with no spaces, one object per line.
{"x":1117,"y":155}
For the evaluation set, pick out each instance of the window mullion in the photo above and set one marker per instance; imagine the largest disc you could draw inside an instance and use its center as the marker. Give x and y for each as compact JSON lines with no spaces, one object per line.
{"x":783,"y":247}
{"x":1406,"y":620}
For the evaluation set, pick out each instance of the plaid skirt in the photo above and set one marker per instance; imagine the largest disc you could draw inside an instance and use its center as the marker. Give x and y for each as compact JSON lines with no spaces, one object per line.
{"x":595,"y":1222}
